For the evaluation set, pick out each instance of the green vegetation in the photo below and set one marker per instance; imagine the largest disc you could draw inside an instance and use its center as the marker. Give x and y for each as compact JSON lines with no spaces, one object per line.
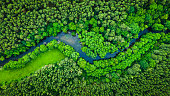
{"x":21,"y":62}
{"x":49,"y":57}
{"x":66,"y":78}
{"x":103,"y":26}
{"x":59,"y":75}
{"x":45,"y":54}
{"x":24,"y":24}
{"x":123,"y":59}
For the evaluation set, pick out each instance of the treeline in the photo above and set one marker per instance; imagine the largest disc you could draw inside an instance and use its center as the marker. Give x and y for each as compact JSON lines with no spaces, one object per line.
{"x":54,"y":77}
{"x":114,"y":23}
{"x":66,"y":78}
{"x":151,"y":81}
{"x":123,"y":60}
{"x":23,"y":23}
{"x":21,"y":62}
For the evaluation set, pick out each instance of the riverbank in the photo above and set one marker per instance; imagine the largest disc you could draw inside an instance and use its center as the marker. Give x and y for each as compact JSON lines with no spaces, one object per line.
{"x":49,"y":57}
{"x":74,"y":41}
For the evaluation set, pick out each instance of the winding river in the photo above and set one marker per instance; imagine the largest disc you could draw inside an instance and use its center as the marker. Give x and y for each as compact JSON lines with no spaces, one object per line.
{"x":73,"y":41}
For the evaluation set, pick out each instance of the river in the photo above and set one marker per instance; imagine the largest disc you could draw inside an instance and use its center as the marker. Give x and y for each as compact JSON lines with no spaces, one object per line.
{"x":73,"y":41}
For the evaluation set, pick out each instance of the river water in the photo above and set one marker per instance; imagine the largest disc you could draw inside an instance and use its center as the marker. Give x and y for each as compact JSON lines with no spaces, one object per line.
{"x":73,"y":41}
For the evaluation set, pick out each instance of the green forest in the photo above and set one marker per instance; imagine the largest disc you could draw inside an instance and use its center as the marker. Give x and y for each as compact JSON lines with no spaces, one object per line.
{"x":35,"y":62}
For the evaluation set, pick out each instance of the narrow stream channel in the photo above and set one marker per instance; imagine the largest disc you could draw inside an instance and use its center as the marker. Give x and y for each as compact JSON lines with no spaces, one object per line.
{"x":73,"y":41}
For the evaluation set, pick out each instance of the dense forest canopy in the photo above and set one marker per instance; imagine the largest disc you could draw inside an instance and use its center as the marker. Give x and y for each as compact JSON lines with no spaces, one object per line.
{"x":102,"y":26}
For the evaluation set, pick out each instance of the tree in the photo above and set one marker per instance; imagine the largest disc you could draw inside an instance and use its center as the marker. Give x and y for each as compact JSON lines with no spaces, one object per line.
{"x":158,"y":27}
{"x":56,"y":24}
{"x":144,"y":64}
{"x":131,"y":10}
{"x":82,"y":63}
{"x":75,"y":55}
{"x":54,"y":43}
{"x":102,"y":29}
{"x":50,"y":31}
{"x":160,"y":7}
{"x":64,"y":29}
{"x":96,"y":29}
{"x":135,"y":69}
{"x":45,"y":34}
{"x":37,"y":50}
{"x":50,"y":46}
{"x":26,"y":58}
{"x":90,"y":67}
{"x":33,"y":55}
{"x":134,"y":28}
{"x":38,"y":37}
{"x":2,"y":58}
{"x":43,"y":48}
{"x":93,"y":22}
{"x":153,"y":6}
{"x":165,"y":17}
{"x":72,"y":26}
{"x":167,"y":24}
